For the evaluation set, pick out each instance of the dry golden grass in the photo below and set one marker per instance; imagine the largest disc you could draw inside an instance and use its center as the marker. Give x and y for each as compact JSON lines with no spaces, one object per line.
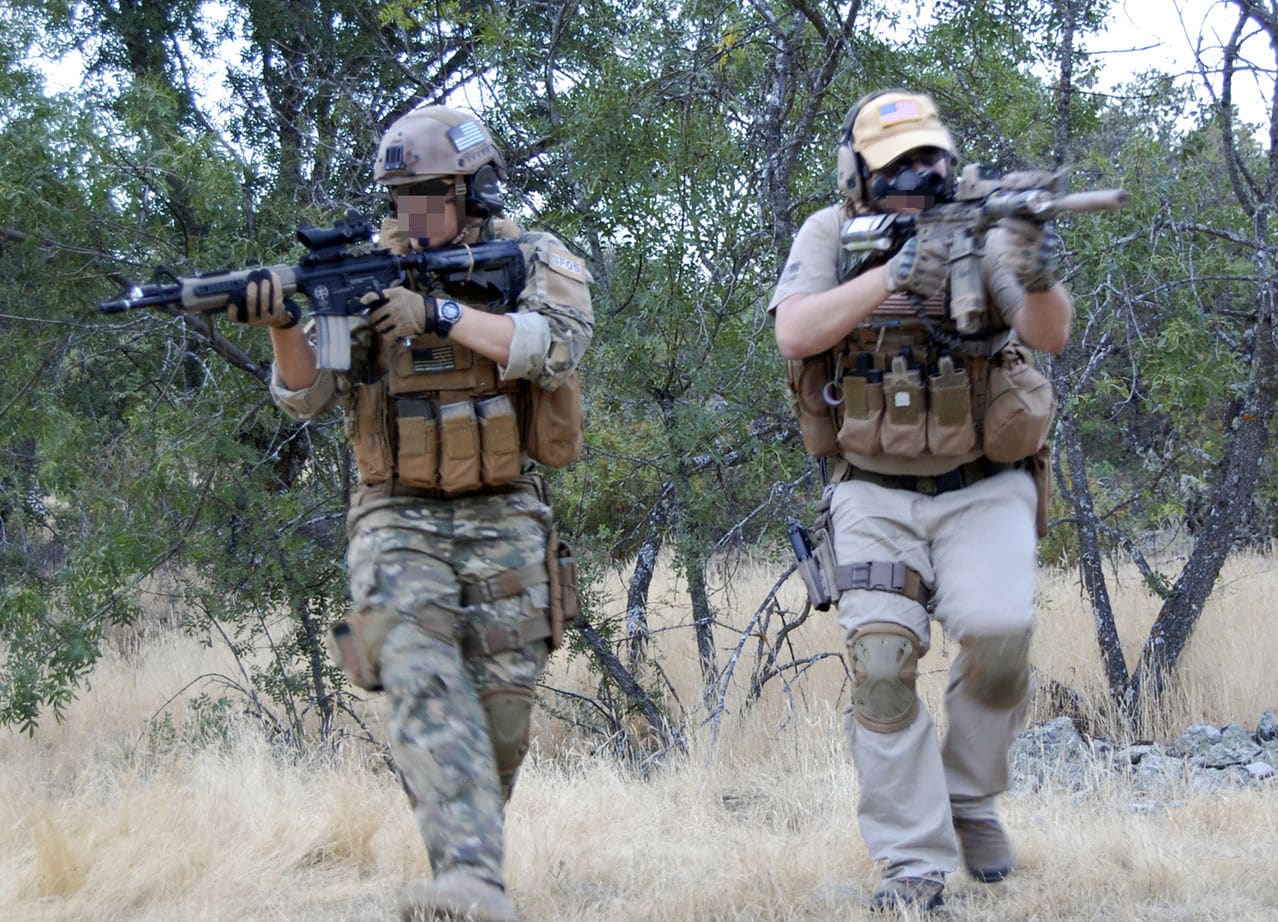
{"x":106,"y":819}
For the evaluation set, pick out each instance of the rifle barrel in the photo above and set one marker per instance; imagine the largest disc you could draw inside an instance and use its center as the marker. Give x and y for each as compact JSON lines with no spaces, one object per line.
{"x":1096,"y":200}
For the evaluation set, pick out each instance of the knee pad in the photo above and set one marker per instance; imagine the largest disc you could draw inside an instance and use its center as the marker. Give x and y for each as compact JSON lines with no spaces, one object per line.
{"x":885,"y":661}
{"x":996,"y":668}
{"x":509,"y":711}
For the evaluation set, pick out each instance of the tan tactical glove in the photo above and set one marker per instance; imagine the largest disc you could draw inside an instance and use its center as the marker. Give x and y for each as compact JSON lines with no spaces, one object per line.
{"x":922,"y":265}
{"x":1028,"y":248}
{"x":399,"y":313}
{"x":262,"y":302}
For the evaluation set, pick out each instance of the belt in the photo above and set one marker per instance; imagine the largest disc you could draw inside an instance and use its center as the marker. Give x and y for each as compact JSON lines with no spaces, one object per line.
{"x":962,"y":476}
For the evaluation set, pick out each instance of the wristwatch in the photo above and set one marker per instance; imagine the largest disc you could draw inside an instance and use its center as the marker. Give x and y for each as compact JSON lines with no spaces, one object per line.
{"x":446,"y":314}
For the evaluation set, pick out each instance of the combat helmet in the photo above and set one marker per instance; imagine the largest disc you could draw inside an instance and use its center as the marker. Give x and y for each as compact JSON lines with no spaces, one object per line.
{"x":881,"y":127}
{"x":433,"y":142}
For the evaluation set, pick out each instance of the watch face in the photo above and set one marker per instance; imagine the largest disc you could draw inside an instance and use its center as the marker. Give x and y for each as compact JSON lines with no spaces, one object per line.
{"x":450,"y":311}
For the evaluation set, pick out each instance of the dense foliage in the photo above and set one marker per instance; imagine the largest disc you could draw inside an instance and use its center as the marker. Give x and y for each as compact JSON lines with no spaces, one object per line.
{"x":676,"y":145}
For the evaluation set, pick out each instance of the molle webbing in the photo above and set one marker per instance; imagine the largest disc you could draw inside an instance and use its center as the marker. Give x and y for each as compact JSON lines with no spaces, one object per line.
{"x":884,"y":576}
{"x":886,"y":338}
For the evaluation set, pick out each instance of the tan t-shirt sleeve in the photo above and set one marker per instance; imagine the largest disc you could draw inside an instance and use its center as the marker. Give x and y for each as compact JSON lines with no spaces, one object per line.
{"x":814,"y":257}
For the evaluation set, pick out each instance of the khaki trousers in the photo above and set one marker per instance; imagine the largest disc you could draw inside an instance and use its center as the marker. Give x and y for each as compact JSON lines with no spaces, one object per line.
{"x":976,"y":547}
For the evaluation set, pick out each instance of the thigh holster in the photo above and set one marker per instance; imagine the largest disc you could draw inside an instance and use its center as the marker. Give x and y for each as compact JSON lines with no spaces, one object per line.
{"x":356,"y":642}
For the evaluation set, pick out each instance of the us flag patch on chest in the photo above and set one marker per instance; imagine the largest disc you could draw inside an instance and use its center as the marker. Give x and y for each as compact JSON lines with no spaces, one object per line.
{"x":435,"y":358}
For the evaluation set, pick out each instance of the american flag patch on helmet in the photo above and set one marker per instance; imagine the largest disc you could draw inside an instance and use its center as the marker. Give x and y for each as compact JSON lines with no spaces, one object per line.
{"x":466,"y":135}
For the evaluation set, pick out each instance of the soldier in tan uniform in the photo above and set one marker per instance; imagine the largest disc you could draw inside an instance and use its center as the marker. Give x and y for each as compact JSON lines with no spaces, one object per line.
{"x":930,"y":503}
{"x":459,"y":587}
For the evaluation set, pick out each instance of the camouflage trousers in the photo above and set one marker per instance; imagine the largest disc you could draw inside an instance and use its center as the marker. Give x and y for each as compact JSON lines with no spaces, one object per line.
{"x":413,"y":556}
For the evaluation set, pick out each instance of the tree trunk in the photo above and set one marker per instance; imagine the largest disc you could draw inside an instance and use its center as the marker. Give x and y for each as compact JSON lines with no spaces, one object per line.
{"x":637,"y":633}
{"x":1236,"y":478}
{"x":312,"y":638}
{"x":1090,"y":558}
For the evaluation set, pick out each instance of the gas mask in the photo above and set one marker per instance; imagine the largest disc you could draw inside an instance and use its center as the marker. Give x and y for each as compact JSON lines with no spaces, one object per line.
{"x":911,"y":189}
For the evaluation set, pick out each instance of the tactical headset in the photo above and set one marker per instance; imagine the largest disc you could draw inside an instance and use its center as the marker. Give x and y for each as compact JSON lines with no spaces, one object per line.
{"x":483,"y":192}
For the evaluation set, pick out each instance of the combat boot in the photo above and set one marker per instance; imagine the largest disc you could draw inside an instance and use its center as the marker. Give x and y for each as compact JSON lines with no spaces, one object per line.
{"x":456,"y":896}
{"x":987,"y":851}
{"x":907,"y":893}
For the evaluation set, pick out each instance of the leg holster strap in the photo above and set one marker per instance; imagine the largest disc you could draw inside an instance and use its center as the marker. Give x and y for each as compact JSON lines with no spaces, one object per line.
{"x":505,"y":585}
{"x":500,"y":639}
{"x":885,"y":576}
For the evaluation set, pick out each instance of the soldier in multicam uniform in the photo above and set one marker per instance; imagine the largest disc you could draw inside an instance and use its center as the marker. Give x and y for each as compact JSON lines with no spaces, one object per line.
{"x":459,"y":587}
{"x":930,"y":502}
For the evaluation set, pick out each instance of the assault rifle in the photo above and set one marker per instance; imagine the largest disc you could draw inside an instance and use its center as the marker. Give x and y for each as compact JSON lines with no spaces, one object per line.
{"x":334,"y":274}
{"x":982,"y":197}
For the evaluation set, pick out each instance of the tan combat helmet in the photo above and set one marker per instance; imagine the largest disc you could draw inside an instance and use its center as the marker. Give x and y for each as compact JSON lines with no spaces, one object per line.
{"x":881,"y":127}
{"x":433,"y":142}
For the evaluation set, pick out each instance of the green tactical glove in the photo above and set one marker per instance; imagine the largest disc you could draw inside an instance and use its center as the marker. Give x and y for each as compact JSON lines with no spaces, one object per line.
{"x":1028,"y":248}
{"x":399,"y":313}
{"x":921,"y":266}
{"x":262,"y":303}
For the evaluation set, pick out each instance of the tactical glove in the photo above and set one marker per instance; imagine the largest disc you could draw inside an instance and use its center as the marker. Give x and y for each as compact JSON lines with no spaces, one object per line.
{"x":1028,"y":248}
{"x":921,"y":265}
{"x":262,"y":302}
{"x":399,"y":313}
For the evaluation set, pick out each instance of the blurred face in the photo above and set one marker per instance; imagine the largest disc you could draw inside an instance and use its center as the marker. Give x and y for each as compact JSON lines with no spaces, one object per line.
{"x":427,"y":211}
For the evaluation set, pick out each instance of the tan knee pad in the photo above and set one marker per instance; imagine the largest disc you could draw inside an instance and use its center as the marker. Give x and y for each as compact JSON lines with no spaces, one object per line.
{"x":996,"y":668}
{"x":885,"y":661}
{"x":509,"y":710}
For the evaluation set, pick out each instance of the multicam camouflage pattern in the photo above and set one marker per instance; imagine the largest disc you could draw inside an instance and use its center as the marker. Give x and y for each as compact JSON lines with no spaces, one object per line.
{"x":556,"y":290}
{"x":411,"y":556}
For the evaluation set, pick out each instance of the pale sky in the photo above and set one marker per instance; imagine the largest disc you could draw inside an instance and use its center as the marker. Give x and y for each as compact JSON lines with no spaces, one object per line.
{"x":1166,"y":32}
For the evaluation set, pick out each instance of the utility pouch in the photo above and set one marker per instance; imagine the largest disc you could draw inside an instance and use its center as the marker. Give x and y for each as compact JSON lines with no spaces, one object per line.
{"x":498,"y":440}
{"x":367,"y":429}
{"x":904,"y":429}
{"x":356,"y":645}
{"x":565,"y":602}
{"x":417,"y":459}
{"x":557,"y":423}
{"x":950,"y":431}
{"x":862,"y":408}
{"x":1019,"y":404}
{"x":806,"y":381}
{"x":459,"y":469}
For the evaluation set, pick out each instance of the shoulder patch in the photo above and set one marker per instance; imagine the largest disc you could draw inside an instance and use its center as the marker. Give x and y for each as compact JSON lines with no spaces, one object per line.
{"x":565,"y":263}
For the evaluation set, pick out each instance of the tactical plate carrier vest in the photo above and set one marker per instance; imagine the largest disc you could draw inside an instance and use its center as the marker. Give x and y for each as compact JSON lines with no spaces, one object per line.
{"x":904,"y":384}
{"x":436,"y":417}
